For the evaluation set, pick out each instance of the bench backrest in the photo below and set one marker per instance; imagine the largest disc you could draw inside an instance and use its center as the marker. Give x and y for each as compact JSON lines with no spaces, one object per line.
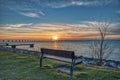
{"x":59,"y":53}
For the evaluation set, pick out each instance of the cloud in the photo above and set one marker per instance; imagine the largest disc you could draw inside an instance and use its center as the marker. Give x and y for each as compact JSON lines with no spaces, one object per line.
{"x":33,"y":13}
{"x":46,"y":28}
{"x":15,"y":26}
{"x":26,"y":8}
{"x":30,"y":14}
{"x":42,"y":13}
{"x":118,"y":11}
{"x":19,"y":25}
{"x":115,"y":28}
{"x":83,"y":29}
{"x":68,"y":3}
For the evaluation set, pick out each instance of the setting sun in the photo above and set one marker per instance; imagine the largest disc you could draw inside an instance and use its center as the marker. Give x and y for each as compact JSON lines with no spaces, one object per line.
{"x":54,"y":38}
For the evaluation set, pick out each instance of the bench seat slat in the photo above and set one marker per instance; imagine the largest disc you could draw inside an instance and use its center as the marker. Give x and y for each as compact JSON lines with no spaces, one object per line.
{"x":69,"y":60}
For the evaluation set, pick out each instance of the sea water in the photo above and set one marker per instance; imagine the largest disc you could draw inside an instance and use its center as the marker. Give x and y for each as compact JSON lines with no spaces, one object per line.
{"x":81,"y":48}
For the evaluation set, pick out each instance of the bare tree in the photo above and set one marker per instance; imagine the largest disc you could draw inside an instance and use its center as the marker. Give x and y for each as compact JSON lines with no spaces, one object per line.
{"x":100,"y":48}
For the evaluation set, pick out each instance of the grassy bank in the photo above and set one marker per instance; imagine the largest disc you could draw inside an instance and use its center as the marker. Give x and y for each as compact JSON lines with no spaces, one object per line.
{"x":23,"y":67}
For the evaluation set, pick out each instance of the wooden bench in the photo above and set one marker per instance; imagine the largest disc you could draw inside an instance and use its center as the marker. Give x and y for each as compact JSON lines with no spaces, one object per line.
{"x":60,"y":55}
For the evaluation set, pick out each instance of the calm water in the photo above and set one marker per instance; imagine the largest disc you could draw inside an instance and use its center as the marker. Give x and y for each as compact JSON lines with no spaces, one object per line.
{"x":80,"y":47}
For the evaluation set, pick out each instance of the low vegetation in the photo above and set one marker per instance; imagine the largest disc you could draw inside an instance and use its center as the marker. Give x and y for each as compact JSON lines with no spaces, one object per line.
{"x":24,"y":67}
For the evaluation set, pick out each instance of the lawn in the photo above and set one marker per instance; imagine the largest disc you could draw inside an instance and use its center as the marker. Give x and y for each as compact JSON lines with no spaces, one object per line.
{"x":25,"y":67}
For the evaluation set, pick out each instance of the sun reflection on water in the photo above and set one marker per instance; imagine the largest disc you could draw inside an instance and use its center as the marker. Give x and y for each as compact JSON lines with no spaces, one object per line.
{"x":56,"y":45}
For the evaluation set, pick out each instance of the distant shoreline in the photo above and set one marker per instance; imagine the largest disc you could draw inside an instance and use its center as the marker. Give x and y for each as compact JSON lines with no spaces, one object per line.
{"x":53,"y":41}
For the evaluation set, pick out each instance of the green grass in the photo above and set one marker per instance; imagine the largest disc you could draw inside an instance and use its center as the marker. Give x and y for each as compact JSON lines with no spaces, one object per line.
{"x":23,"y":67}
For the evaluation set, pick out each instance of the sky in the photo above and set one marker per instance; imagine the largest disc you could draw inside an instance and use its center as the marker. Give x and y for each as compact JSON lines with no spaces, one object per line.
{"x":67,"y":19}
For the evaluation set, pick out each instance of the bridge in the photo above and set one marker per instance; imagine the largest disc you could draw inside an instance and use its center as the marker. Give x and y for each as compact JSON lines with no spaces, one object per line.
{"x":13,"y":45}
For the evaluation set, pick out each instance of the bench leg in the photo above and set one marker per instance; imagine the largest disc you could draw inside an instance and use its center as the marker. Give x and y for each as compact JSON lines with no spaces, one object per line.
{"x":40,"y":61}
{"x":71,"y":71}
{"x":41,"y":57}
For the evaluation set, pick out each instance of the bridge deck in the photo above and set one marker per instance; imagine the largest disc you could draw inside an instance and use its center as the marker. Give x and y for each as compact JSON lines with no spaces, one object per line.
{"x":13,"y":45}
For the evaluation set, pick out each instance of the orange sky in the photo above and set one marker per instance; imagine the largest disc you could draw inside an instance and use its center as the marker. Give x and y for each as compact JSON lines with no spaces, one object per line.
{"x":45,"y":32}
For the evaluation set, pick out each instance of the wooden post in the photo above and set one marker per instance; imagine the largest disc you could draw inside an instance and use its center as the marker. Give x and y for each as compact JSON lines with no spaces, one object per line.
{"x":31,"y":45}
{"x":13,"y":46}
{"x":7,"y":44}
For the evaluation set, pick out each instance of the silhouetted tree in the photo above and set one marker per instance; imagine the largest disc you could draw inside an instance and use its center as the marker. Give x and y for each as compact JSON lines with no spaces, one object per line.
{"x":100,"y":48}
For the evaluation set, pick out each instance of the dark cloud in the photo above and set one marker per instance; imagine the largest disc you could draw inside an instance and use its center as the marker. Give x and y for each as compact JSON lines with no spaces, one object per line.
{"x":115,"y":29}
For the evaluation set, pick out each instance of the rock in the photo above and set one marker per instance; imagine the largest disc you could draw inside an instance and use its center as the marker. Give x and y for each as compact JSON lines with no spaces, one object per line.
{"x":112,"y":64}
{"x":118,"y":66}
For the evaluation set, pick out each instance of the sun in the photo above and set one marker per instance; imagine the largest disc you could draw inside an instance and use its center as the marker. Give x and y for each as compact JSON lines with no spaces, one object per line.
{"x":55,"y":38}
